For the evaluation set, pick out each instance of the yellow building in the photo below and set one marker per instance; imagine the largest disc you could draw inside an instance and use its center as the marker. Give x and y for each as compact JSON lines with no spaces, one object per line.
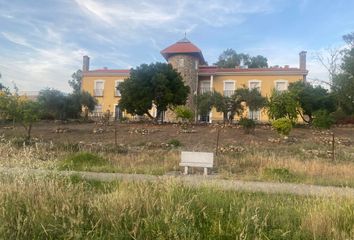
{"x":188,"y":59}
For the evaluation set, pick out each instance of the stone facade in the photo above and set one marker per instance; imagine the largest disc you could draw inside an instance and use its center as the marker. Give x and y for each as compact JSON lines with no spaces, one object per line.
{"x":187,"y":66}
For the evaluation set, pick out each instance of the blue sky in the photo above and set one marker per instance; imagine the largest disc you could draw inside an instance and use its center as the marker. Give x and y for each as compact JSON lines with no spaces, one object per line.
{"x":42,"y":41}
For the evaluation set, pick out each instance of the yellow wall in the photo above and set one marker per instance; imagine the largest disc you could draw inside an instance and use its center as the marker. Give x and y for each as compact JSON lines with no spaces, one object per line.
{"x":108,"y":101}
{"x":267,"y":85}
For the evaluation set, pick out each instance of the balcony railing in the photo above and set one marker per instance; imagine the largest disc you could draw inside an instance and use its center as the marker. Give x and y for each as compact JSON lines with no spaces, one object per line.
{"x":204,"y":90}
{"x":228,"y":93}
{"x":98,"y":92}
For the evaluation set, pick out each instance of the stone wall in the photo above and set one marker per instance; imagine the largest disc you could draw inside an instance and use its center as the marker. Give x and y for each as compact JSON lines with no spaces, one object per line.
{"x":186,"y":66}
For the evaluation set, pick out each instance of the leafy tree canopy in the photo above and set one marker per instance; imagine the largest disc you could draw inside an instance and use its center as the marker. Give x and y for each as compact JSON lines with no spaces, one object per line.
{"x":343,"y":83}
{"x":230,"y":59}
{"x":283,"y":105}
{"x":76,"y":80}
{"x":312,"y":99}
{"x":156,"y":83}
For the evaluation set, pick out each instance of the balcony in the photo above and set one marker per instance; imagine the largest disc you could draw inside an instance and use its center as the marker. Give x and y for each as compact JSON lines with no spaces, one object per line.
{"x":228,"y":93}
{"x":204,"y":90}
{"x":98,"y":92}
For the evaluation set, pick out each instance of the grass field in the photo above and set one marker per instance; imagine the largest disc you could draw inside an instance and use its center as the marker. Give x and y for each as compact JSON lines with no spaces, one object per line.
{"x":71,"y":208}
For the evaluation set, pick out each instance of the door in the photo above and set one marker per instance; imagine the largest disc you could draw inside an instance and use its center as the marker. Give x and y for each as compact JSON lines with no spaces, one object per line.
{"x":118,"y":113}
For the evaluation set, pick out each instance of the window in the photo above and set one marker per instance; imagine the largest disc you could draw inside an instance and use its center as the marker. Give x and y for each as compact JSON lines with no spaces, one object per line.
{"x":281,"y":85}
{"x":255,"y":114}
{"x":205,"y":87}
{"x":99,"y":88}
{"x":254,"y":84}
{"x":116,"y":91}
{"x":229,"y":88}
{"x":97,"y":111}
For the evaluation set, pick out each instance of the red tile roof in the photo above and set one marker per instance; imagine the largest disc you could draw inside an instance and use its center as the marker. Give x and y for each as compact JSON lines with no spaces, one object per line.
{"x":206,"y":70}
{"x":111,"y":71}
{"x":182,"y":46}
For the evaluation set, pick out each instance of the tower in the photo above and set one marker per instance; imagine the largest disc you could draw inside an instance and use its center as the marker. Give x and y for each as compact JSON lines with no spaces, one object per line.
{"x":185,"y":57}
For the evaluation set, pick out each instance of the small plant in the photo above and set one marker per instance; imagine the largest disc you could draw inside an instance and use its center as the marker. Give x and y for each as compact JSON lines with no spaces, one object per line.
{"x":175,"y":143}
{"x":248,"y":125}
{"x":82,"y":161}
{"x":184,"y":113}
{"x":283,"y":126}
{"x":322,"y":119}
{"x":279,"y":174}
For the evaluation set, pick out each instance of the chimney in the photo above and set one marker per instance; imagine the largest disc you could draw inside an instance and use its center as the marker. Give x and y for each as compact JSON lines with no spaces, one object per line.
{"x":86,"y":64}
{"x":302,"y":58}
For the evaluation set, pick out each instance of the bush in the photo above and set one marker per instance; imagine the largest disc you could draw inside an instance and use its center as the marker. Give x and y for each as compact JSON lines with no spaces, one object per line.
{"x":82,"y":161}
{"x":248,"y":125}
{"x":283,"y":126}
{"x":322,"y":119}
{"x":184,"y":113}
{"x":175,"y":143}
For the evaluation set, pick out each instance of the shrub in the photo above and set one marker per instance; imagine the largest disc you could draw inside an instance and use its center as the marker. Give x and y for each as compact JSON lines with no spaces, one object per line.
{"x":279,"y":174}
{"x":184,"y":113}
{"x":175,"y":143}
{"x":248,"y":125}
{"x":283,"y":126}
{"x":322,"y":119}
{"x":82,"y":161}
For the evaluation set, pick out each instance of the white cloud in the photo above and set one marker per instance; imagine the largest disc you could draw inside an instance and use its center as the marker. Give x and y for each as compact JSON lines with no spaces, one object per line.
{"x":15,"y":39}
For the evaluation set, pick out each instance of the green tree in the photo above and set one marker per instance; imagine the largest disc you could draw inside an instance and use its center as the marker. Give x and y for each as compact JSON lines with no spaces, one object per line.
{"x":184,"y":113}
{"x":76,"y":81}
{"x":57,"y":105}
{"x":311,"y":99}
{"x":157,"y":84}
{"x":205,"y":103}
{"x":283,"y":105}
{"x":343,"y":83}
{"x":21,"y":110}
{"x":228,"y":106}
{"x":1,"y":86}
{"x":258,"y":62}
{"x":230,"y":59}
{"x":53,"y":103}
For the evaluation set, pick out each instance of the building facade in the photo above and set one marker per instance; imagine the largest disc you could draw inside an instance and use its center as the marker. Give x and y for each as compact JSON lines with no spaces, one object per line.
{"x":189,"y":61}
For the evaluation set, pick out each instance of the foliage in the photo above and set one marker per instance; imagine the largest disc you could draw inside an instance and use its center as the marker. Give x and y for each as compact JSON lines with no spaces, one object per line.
{"x":205,"y":103}
{"x":322,"y":119}
{"x":280,"y":175}
{"x":175,"y":143}
{"x":229,"y":106}
{"x":21,"y":110}
{"x":343,"y":83}
{"x":283,"y":105}
{"x":57,"y":105}
{"x":1,"y":85}
{"x":311,"y":99}
{"x":230,"y":59}
{"x":82,"y":161}
{"x":53,"y":103}
{"x":76,"y":81}
{"x":253,"y":98}
{"x":283,"y":126}
{"x":248,"y":125}
{"x":184,"y":113}
{"x":157,"y":84}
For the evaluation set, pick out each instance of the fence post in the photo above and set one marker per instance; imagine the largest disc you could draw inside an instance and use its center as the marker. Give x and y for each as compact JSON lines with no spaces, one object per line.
{"x":333,"y":156}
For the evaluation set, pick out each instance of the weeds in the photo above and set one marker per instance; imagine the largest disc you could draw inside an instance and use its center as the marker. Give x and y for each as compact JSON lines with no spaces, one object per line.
{"x":62,"y":208}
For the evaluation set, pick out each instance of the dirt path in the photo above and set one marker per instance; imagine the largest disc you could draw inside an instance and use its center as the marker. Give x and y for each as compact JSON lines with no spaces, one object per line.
{"x":199,"y":181}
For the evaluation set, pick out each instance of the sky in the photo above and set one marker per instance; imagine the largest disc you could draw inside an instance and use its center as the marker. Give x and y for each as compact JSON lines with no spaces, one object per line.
{"x":42,"y":41}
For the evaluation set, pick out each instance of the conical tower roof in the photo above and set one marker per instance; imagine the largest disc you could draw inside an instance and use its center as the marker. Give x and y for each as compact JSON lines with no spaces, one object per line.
{"x":183,"y":46}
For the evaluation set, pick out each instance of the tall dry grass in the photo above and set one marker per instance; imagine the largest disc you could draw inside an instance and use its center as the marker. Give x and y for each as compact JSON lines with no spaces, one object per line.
{"x":64,"y":208}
